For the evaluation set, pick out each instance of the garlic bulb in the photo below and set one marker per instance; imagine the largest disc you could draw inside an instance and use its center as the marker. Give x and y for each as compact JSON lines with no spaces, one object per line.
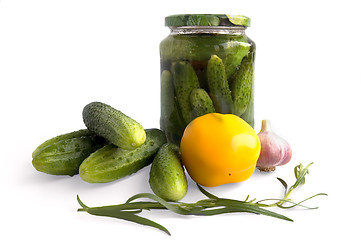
{"x":275,"y":151}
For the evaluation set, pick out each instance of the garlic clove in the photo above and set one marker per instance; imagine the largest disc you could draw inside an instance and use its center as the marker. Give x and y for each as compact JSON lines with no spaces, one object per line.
{"x":275,"y":151}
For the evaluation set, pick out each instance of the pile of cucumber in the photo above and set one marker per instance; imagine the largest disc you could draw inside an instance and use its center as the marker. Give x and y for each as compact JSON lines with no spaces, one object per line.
{"x":204,"y":74}
{"x":114,"y":146}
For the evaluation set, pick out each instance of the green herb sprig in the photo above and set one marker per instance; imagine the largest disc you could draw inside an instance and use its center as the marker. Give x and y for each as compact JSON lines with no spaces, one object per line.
{"x":300,"y":174}
{"x":210,"y":206}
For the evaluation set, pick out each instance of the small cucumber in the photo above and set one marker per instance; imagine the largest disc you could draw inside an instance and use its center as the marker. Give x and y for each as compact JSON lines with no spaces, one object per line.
{"x":201,"y":103}
{"x":234,"y":58}
{"x":185,"y":80}
{"x":62,"y":155}
{"x":167,"y":178}
{"x":242,"y":85}
{"x":111,"y":162}
{"x":171,"y":121}
{"x":113,"y":125}
{"x":218,"y":85}
{"x":167,"y":97}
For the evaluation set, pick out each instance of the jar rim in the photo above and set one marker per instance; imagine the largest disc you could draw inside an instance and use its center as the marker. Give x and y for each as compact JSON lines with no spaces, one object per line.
{"x":183,"y":20}
{"x":235,"y":30}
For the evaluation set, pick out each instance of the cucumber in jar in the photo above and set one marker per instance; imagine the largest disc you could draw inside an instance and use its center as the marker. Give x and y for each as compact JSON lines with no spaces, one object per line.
{"x":201,"y":103}
{"x":218,"y":85}
{"x":171,"y":121}
{"x":234,"y":58}
{"x":185,"y":80}
{"x":242,"y":85}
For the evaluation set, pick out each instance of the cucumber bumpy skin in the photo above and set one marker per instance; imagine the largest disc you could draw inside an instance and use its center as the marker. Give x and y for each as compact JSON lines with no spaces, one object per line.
{"x":248,"y":115}
{"x":171,"y":121}
{"x":234,"y":58}
{"x":167,"y":178}
{"x":201,"y":103}
{"x":113,"y":125}
{"x":62,"y":155}
{"x":242,"y":85}
{"x":111,"y":162}
{"x":218,"y":85}
{"x":185,"y":80}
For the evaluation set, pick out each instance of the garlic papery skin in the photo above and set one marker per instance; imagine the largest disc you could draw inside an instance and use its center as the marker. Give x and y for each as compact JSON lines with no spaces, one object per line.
{"x":275,"y":151}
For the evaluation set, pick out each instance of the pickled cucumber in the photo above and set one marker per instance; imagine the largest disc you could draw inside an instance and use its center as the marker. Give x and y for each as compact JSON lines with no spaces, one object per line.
{"x":111,"y":162}
{"x":234,"y":58}
{"x":201,"y":103}
{"x":171,"y":121}
{"x":242,"y":85}
{"x":62,"y":155}
{"x":218,"y":85}
{"x":248,"y":115}
{"x":185,"y":80}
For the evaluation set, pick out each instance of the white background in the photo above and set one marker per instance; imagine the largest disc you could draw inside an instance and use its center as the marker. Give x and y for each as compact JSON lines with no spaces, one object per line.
{"x":58,"y":55}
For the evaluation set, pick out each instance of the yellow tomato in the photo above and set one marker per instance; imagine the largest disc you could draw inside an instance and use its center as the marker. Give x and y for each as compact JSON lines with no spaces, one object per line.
{"x":219,"y":148}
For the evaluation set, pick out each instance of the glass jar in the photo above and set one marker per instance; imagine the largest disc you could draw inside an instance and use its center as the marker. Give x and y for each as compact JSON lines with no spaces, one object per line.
{"x":207,"y":65}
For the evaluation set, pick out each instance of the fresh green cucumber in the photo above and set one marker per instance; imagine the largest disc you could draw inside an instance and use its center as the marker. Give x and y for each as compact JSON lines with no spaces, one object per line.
{"x":167,"y":178}
{"x":201,"y":103}
{"x":242,"y":85}
{"x":218,"y":85}
{"x":62,"y":155}
{"x":234,"y":58}
{"x":111,"y":162}
{"x":185,"y":80}
{"x":113,"y":125}
{"x":171,"y":121}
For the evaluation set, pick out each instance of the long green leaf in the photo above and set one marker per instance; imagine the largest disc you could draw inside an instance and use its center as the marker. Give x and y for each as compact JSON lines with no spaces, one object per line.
{"x":299,"y":203}
{"x":134,"y":205}
{"x":80,"y":202}
{"x":124,"y":215}
{"x":208,"y":194}
{"x":172,"y":207}
{"x":216,"y":211}
{"x":250,"y":207}
{"x":284,"y":184}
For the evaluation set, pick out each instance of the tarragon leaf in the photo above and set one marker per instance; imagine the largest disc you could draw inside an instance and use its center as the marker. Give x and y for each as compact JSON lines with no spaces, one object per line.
{"x":172,"y":207}
{"x":128,"y":216}
{"x":208,"y":194}
{"x":284,"y":184}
